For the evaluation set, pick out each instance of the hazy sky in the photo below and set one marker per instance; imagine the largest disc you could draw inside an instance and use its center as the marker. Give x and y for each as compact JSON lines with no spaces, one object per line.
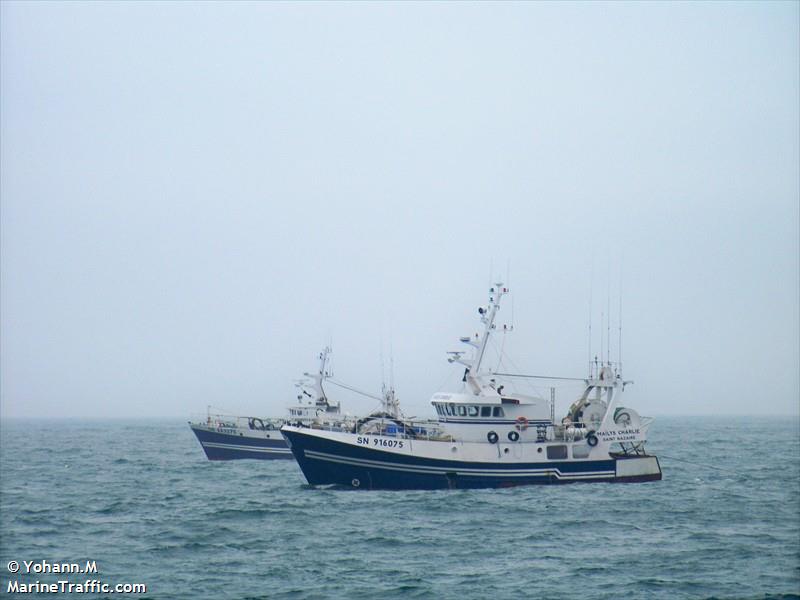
{"x":197,"y":197}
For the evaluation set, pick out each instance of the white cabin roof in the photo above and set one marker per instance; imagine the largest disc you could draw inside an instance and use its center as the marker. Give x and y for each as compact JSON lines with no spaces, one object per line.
{"x":490,"y":398}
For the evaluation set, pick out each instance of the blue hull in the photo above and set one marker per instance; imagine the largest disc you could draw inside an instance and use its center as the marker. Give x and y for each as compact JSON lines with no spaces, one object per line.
{"x":326,"y":462}
{"x":227,"y":446}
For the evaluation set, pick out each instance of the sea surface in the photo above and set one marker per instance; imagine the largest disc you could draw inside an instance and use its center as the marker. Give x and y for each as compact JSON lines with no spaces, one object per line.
{"x":140,"y":499}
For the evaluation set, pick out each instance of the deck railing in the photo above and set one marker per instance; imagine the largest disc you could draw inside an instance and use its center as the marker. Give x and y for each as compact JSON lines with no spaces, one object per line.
{"x":226,"y":421}
{"x":429,"y":429}
{"x":223,"y":421}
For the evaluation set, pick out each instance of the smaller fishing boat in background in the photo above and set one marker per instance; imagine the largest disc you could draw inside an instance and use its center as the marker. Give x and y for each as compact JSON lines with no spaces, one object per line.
{"x":229,"y":437}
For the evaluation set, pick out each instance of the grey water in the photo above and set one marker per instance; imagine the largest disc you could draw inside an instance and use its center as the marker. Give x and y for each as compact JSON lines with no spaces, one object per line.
{"x":140,"y":499}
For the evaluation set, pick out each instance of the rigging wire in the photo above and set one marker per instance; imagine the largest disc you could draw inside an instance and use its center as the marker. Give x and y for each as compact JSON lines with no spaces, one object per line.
{"x":524,"y":376}
{"x":500,"y":352}
{"x":450,"y":373}
{"x":354,"y":389}
{"x":513,"y":364}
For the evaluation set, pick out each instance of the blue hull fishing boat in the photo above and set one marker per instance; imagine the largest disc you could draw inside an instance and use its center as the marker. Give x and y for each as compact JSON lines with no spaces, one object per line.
{"x":487,"y":436}
{"x":227,"y":437}
{"x":329,"y":461}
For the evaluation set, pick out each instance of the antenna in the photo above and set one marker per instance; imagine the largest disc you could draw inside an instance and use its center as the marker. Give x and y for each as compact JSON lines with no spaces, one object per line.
{"x":391,"y":366}
{"x":602,"y":340}
{"x":608,"y":314}
{"x":591,"y":287}
{"x":619,"y":350}
{"x":383,"y":365}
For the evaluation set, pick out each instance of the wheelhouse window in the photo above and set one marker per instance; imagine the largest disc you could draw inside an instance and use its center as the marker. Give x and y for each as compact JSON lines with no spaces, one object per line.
{"x":486,"y":411}
{"x":497,"y":411}
{"x":449,"y":410}
{"x":472,"y":411}
{"x":462,"y":410}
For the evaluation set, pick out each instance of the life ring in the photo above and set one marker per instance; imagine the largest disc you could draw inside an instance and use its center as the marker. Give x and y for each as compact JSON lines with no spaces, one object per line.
{"x":522,"y":423}
{"x":257,"y":424}
{"x":492,"y":437}
{"x":513,"y":435}
{"x":591,"y":439}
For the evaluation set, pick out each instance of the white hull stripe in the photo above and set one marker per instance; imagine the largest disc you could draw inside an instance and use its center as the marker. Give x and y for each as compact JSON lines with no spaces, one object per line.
{"x":245,"y":448}
{"x":360,"y":462}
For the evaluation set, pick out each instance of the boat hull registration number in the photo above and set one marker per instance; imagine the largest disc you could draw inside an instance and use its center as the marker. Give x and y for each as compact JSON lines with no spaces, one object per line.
{"x":376,"y":441}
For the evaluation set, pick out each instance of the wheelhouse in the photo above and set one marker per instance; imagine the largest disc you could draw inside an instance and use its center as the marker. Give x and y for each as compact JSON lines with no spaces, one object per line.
{"x":469,"y":411}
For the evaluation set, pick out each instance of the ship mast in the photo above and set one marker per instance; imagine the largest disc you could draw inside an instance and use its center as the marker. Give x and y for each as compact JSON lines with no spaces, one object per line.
{"x":321,"y":398}
{"x":473,"y":373}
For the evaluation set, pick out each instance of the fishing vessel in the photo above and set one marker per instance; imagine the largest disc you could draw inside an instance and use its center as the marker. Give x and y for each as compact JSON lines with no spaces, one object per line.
{"x":487,"y":435}
{"x":228,"y":437}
